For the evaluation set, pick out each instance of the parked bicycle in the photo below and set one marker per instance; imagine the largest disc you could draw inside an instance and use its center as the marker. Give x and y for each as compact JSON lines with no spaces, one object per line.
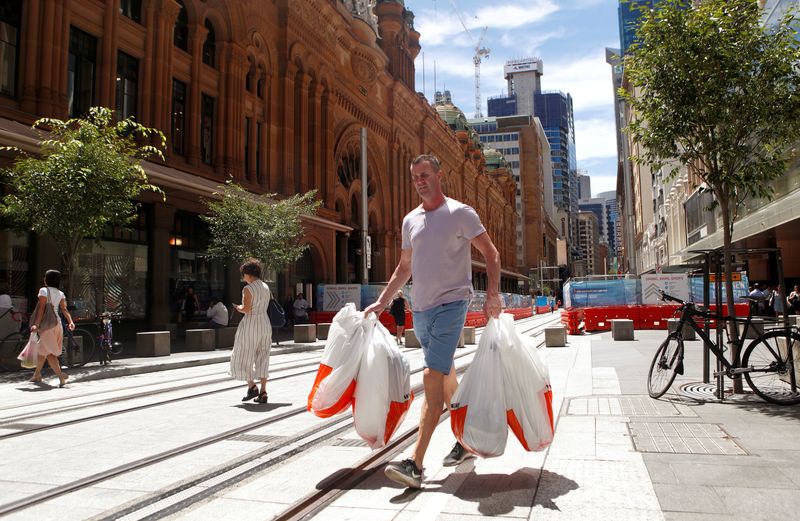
{"x":768,"y":363}
{"x":106,"y":338}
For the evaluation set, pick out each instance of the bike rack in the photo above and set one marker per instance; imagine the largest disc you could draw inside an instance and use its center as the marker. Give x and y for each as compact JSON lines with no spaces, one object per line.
{"x":715,"y":258}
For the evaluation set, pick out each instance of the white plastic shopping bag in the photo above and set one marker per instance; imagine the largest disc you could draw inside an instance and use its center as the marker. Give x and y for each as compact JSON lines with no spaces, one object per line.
{"x":335,"y":383}
{"x":526,"y":385}
{"x":478,"y":409}
{"x":383,"y":387}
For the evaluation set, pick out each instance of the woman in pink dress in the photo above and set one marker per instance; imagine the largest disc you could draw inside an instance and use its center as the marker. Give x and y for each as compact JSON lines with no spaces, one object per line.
{"x":50,"y":341}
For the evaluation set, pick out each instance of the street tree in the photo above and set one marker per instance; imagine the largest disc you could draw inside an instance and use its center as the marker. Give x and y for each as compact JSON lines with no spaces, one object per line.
{"x":714,"y":91}
{"x":243,"y":225}
{"x":85,"y":178}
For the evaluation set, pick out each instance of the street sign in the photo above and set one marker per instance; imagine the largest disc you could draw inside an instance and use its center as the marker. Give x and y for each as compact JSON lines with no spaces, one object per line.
{"x":335,"y":296}
{"x":675,"y":284}
{"x":735,"y":277}
{"x":369,"y":252}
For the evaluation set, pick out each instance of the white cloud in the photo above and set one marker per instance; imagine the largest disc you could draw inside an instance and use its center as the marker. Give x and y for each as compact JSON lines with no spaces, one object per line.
{"x":444,"y":27}
{"x":587,"y":79}
{"x":595,"y":138}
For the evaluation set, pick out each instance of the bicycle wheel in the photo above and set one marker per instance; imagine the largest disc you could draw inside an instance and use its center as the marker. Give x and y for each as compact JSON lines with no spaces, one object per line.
{"x":78,"y":349}
{"x":768,"y":358}
{"x":664,"y":367}
{"x":10,"y":347}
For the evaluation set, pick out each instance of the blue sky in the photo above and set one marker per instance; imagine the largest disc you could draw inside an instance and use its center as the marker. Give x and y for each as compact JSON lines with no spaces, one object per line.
{"x":570,"y":36}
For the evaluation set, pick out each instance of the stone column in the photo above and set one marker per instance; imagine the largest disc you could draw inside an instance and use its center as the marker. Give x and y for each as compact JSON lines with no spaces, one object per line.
{"x":60,"y":100}
{"x":106,"y":73}
{"x":328,"y":159}
{"x":29,"y":52}
{"x":341,"y":264}
{"x":162,"y":66}
{"x":233,"y":101}
{"x":193,"y":116}
{"x":46,"y":59}
{"x":159,"y":268}
{"x":262,"y":175}
{"x":287,"y":169}
{"x":301,"y":147}
{"x":318,"y":150}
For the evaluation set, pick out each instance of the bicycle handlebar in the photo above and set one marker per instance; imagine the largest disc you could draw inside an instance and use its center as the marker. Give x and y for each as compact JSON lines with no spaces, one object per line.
{"x":689,"y":305}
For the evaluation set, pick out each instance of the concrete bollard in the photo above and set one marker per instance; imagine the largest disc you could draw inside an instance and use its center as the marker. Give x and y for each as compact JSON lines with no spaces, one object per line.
{"x":469,"y":335}
{"x":622,"y":329}
{"x":200,"y":339}
{"x":323,"y":329}
{"x":169,"y":326}
{"x":555,"y":336}
{"x":225,"y":336}
{"x":305,"y":333}
{"x":688,"y":333}
{"x":152,"y":343}
{"x":410,"y":338}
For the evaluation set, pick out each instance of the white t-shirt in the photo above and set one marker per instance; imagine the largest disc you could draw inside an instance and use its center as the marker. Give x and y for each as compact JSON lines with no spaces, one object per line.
{"x":218,"y":314}
{"x":56,"y":296}
{"x":441,"y":262}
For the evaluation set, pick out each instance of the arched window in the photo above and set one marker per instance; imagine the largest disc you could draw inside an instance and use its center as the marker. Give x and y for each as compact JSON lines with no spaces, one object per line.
{"x":10,"y":24}
{"x":181,"y":35}
{"x":209,"y":46}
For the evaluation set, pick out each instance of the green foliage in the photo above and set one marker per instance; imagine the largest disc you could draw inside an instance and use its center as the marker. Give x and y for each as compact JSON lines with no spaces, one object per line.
{"x":86,"y":179}
{"x":244,"y":225}
{"x":713,"y":89}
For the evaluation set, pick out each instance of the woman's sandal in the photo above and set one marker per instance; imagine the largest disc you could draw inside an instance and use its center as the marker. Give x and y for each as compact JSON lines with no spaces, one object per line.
{"x":252,"y":392}
{"x":62,"y":379}
{"x":35,"y":379}
{"x":262,"y":398}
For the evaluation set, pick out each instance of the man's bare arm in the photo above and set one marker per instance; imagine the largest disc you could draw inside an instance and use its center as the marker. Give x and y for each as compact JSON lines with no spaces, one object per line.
{"x":493,"y":304}
{"x":399,"y":278}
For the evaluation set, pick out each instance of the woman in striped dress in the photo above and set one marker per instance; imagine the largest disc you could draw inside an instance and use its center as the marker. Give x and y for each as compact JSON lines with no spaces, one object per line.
{"x":250,"y":356}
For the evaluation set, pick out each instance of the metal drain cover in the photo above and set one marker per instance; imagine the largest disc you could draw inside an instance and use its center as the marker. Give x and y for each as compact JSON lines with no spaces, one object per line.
{"x":708,"y":392}
{"x":621,"y":405}
{"x":683,"y":438}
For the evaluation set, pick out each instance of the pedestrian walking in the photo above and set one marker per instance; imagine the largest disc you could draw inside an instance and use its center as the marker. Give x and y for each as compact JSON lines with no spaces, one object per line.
{"x":251,"y":345}
{"x":398,"y":312}
{"x":778,"y":302}
{"x":47,"y":334}
{"x":794,"y":301}
{"x":437,"y":240}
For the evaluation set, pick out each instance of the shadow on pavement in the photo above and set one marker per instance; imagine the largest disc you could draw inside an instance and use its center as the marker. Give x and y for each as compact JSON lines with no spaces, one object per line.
{"x":261,"y":407}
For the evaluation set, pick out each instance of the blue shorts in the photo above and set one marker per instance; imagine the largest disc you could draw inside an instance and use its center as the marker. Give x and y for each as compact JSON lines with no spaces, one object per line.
{"x":438,"y":330}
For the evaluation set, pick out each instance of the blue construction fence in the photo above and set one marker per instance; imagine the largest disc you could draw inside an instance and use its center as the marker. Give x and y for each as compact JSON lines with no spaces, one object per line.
{"x":628,"y":292}
{"x":369,"y":293}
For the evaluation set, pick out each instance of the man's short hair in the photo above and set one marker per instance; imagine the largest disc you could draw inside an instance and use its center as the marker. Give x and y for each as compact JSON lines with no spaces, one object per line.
{"x":430,"y":159}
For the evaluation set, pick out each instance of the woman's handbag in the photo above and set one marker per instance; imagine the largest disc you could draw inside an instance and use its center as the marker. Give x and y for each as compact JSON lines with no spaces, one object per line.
{"x":277,"y":318}
{"x":49,"y":319}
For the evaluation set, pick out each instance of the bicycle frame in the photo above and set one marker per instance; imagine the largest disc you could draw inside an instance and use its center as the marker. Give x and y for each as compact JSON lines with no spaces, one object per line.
{"x":735,"y":368}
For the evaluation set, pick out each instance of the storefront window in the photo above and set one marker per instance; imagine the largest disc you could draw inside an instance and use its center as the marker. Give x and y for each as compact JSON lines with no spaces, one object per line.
{"x":14,"y":268}
{"x":110,"y":276}
{"x":189,"y":267}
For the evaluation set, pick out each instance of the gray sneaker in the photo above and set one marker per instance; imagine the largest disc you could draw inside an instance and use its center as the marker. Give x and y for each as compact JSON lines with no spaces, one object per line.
{"x":458,"y":455}
{"x":405,"y":473}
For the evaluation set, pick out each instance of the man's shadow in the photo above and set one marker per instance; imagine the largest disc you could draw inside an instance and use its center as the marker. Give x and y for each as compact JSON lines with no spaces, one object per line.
{"x":499,"y":494}
{"x":496,"y":494}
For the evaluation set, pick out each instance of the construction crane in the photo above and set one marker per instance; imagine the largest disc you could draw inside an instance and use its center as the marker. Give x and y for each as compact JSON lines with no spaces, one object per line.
{"x":480,"y":53}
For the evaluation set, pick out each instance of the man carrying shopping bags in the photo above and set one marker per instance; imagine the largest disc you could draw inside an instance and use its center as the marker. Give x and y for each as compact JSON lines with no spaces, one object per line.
{"x":437,"y":238}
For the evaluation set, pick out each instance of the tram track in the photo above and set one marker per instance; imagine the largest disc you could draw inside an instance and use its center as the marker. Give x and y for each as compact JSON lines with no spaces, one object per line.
{"x":168,"y":501}
{"x":13,"y":419}
{"x":229,"y":473}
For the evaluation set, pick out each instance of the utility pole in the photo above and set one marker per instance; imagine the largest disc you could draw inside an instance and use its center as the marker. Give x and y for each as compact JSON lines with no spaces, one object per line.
{"x":366,"y":250}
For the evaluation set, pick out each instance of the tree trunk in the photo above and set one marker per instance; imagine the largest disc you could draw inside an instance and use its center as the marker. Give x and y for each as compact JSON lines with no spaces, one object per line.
{"x":733,"y":328}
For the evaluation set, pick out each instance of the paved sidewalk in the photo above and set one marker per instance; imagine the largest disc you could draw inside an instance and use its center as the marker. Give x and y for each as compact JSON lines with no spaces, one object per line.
{"x":126,"y":364}
{"x":701,"y":458}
